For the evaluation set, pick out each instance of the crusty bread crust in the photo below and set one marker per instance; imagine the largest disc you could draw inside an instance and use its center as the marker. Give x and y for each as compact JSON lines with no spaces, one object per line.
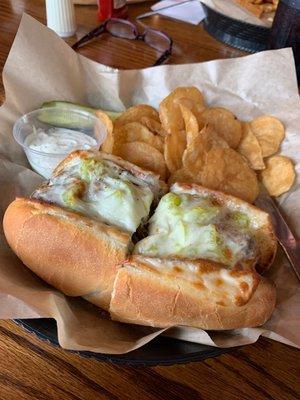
{"x":143,"y":296}
{"x":260,"y":221}
{"x":75,"y":254}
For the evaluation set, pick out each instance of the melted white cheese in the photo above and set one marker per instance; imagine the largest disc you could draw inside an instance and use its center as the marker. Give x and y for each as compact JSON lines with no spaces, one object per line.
{"x":101,"y":190}
{"x":192,"y":227}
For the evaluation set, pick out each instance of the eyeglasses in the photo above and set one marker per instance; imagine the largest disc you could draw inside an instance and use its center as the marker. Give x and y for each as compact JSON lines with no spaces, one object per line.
{"x":127,"y":30}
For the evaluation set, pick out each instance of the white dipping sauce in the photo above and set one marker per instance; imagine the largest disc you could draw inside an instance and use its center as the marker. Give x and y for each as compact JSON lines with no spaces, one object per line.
{"x":56,"y":143}
{"x":59,"y":141}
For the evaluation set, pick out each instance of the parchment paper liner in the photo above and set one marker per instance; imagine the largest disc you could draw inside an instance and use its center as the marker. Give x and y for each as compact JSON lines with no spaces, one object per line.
{"x":42,"y":67}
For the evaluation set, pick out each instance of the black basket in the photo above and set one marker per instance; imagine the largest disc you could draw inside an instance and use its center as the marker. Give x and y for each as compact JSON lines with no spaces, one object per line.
{"x":241,"y":35}
{"x":160,"y":351}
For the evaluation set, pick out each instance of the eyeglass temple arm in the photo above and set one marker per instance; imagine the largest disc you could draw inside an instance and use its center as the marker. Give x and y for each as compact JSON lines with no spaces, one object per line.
{"x":165,"y":55}
{"x":91,"y":35}
{"x":162,"y":58}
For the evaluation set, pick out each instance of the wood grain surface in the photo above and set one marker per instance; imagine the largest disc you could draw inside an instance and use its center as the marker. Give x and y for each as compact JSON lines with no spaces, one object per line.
{"x":31,"y":369}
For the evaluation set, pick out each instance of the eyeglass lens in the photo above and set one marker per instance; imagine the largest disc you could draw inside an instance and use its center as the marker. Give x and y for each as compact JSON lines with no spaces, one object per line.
{"x":157,"y":40}
{"x":122,"y":29}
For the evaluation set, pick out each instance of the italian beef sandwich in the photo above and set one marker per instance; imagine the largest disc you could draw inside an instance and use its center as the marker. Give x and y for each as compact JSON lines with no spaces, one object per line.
{"x":76,"y":229}
{"x":200,"y":264}
{"x":197,"y":261}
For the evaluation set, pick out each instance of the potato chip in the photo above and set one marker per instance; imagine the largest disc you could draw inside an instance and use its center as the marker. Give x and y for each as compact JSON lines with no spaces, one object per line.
{"x":250,"y":148}
{"x":224,"y":123}
{"x":198,"y":145}
{"x":135,"y":113}
{"x":279,"y":175}
{"x":145,"y":156}
{"x":135,"y":131}
{"x":175,"y":145}
{"x":183,"y":175}
{"x":169,"y":110}
{"x":227,"y":171}
{"x":153,"y":126}
{"x":108,"y":144}
{"x":190,"y":155}
{"x":191,"y":125}
{"x":269,"y":132}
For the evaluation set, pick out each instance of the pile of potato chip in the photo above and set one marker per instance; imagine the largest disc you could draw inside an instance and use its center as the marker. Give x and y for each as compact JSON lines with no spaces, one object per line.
{"x":259,"y":7}
{"x":186,"y":141}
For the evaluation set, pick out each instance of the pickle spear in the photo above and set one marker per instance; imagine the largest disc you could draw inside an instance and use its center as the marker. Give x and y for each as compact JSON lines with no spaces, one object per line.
{"x":65,"y":119}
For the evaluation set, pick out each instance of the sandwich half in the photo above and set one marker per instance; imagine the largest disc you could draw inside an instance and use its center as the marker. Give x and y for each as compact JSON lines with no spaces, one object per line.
{"x":197,"y":293}
{"x":76,"y":229}
{"x":200,"y":265}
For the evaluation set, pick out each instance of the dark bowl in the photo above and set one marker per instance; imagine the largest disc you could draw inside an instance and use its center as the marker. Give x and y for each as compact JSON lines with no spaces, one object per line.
{"x":241,"y":35}
{"x":160,"y":351}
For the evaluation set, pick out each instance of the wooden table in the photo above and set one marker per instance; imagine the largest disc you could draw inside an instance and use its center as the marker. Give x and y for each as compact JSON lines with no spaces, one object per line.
{"x":31,"y":369}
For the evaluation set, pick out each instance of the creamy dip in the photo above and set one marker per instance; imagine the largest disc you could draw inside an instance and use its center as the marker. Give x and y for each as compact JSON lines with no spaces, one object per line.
{"x":59,"y":141}
{"x":56,"y":144}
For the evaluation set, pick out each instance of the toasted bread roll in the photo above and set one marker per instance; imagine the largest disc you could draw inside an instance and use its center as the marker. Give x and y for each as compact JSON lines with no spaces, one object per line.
{"x":201,"y":294}
{"x":76,"y":229}
{"x":75,"y":254}
{"x":197,"y":265}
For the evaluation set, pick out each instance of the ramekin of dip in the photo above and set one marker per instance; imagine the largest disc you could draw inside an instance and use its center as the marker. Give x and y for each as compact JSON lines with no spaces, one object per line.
{"x":48,"y":135}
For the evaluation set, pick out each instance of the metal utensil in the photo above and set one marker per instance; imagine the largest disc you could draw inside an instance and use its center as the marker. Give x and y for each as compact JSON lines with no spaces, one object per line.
{"x":284,"y":235}
{"x":150,"y":13}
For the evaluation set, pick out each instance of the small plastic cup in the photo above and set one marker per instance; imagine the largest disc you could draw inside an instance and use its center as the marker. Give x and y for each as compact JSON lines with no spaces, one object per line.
{"x":48,"y":118}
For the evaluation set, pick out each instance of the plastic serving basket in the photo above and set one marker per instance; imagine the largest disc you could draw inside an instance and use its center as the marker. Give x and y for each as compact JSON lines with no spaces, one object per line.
{"x":160,"y":351}
{"x":241,"y":35}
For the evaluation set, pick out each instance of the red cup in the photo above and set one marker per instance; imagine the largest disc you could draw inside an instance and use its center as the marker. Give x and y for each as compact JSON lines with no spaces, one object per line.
{"x":111,"y":9}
